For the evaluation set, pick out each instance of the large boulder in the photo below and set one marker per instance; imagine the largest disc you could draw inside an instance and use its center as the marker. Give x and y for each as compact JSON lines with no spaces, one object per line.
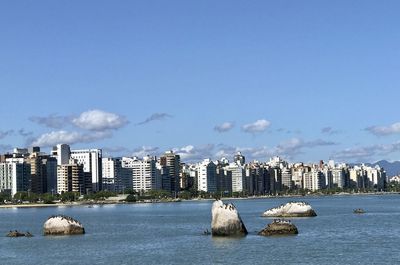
{"x":62,"y":225}
{"x":291,"y":209}
{"x":279,"y":227}
{"x":226,"y":220}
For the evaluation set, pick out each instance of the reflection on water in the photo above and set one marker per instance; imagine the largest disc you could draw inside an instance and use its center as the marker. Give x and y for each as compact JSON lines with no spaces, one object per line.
{"x":225,"y":242}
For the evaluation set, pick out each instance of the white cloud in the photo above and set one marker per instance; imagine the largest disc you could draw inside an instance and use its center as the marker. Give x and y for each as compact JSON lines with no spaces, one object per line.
{"x":98,"y":120}
{"x":251,"y":153}
{"x":288,"y":149}
{"x":191,"y":153}
{"x":384,"y":130}
{"x":224,"y":127}
{"x":144,"y":151}
{"x":257,"y":126}
{"x":224,"y":151}
{"x":57,"y":137}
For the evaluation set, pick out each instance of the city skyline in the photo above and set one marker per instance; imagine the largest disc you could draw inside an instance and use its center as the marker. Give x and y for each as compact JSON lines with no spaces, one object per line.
{"x":203,"y":79}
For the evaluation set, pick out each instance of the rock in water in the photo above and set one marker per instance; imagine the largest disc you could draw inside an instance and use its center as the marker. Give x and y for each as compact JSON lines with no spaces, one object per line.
{"x":291,"y":209}
{"x":279,"y":227}
{"x":358,"y":211}
{"x":226,"y":220}
{"x":62,"y":225}
{"x":16,"y":233}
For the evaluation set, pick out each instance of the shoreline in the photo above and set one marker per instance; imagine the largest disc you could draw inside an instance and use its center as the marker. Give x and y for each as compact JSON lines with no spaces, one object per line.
{"x":101,"y":203}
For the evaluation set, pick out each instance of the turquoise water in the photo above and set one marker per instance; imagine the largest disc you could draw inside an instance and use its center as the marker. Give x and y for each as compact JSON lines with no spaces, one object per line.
{"x":171,"y":233}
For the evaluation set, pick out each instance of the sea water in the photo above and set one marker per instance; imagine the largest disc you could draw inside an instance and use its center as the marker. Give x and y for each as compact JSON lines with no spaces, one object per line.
{"x":172,"y":233}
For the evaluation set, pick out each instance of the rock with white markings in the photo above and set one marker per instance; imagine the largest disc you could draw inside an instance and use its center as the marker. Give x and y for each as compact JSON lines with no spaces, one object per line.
{"x":291,"y":209}
{"x":62,"y":225}
{"x":226,"y":220}
{"x":279,"y":227}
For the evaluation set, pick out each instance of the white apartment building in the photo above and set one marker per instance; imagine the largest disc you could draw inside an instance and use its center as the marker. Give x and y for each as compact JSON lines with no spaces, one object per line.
{"x":15,"y":175}
{"x":207,"y":176}
{"x":338,"y":177}
{"x":62,"y":152}
{"x":91,"y":161}
{"x":318,"y":180}
{"x":238,"y":175}
{"x":308,"y":181}
{"x":109,"y":172}
{"x":377,"y":176}
{"x":115,"y":177}
{"x":287,"y":177}
{"x":145,"y":175}
{"x":297,"y":175}
{"x":327,"y":172}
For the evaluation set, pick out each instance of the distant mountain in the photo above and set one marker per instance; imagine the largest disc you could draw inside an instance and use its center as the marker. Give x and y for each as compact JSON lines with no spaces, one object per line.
{"x":391,"y":168}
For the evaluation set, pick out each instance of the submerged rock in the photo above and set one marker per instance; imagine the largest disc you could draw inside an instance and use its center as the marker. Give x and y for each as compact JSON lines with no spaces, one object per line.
{"x":226,"y":220}
{"x":62,"y":225}
{"x":358,"y":211}
{"x":279,"y":227}
{"x":291,"y":209}
{"x":16,"y":233}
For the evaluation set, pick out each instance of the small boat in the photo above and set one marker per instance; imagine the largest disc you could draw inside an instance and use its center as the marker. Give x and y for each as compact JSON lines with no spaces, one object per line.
{"x":358,"y":211}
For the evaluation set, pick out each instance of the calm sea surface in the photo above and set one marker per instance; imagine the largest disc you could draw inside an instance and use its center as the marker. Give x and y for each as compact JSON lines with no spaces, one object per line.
{"x":171,"y":233}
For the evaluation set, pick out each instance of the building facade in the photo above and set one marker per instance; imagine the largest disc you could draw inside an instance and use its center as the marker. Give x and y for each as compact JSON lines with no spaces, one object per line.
{"x":91,"y":160}
{"x":70,"y":178}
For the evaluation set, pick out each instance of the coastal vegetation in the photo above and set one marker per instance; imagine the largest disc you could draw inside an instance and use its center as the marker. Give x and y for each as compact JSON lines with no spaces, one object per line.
{"x":27,"y":197}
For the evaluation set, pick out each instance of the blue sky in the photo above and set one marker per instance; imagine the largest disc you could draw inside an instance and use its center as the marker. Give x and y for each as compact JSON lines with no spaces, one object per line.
{"x":306,"y":80}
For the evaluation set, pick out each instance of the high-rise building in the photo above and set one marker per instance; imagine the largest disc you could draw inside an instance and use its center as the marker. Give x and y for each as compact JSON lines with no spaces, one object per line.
{"x":6,"y":176}
{"x":318,"y":179}
{"x":115,"y":177}
{"x":50,"y":171}
{"x":186,"y":181}
{"x":307,"y":180}
{"x":275,"y":174}
{"x":255,"y":178}
{"x":70,"y":177}
{"x":376,"y":176}
{"x":15,"y":175}
{"x":328,"y":178}
{"x":286,"y":178}
{"x":172,"y":162}
{"x":224,"y":179}
{"x":297,"y":175}
{"x":238,"y":175}
{"x":145,"y":176}
{"x":207,"y":179}
{"x":62,"y":152}
{"x":338,"y":177}
{"x":38,"y":174}
{"x":91,"y":160}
